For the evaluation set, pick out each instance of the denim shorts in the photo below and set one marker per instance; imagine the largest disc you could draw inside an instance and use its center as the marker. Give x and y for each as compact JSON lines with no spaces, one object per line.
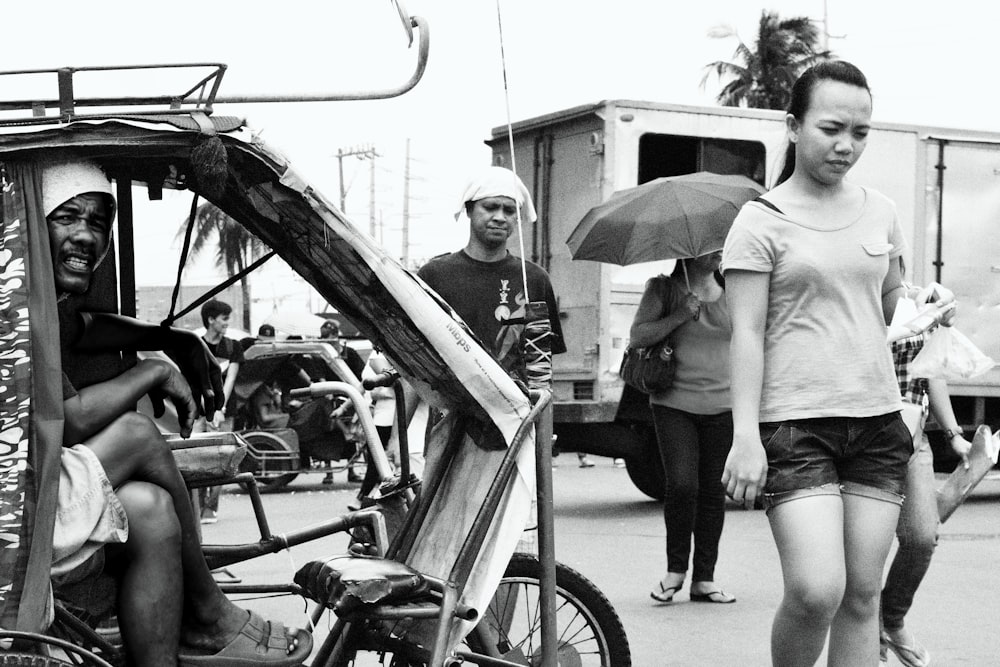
{"x":88,"y":513}
{"x":831,"y":455}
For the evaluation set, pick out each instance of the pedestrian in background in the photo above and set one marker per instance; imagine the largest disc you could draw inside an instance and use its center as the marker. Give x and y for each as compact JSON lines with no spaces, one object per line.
{"x":812,"y":276}
{"x":917,"y":530}
{"x":265,"y":334}
{"x":329,"y":332}
{"x":215,"y":316}
{"x":693,"y":422}
{"x":383,"y":401}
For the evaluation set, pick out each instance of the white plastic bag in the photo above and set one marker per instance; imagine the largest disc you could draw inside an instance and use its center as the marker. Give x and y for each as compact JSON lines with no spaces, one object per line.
{"x":949,"y":355}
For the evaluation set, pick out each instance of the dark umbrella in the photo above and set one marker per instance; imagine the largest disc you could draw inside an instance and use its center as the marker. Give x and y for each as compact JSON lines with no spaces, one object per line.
{"x":668,"y":218}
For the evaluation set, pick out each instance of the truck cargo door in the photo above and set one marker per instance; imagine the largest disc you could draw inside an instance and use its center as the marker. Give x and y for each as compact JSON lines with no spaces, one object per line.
{"x":571,"y":176}
{"x":964,"y":243}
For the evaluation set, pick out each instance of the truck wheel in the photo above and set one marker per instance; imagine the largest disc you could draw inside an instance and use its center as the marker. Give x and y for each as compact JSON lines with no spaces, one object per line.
{"x":645,"y":470}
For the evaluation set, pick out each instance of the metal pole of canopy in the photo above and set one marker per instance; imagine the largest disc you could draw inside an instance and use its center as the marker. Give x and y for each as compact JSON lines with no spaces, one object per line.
{"x":423,"y":51}
{"x":546,"y":538}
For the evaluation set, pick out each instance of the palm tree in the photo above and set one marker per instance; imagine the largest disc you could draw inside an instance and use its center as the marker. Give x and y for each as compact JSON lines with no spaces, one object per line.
{"x":784,"y":49}
{"x":236,"y":247}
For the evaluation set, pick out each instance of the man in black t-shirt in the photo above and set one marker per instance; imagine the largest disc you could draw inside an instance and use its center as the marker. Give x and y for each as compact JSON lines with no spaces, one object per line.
{"x":483,"y":282}
{"x":215,"y":316}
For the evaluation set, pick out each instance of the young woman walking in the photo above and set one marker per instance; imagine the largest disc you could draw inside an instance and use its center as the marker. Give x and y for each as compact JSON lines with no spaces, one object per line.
{"x":812,"y":276}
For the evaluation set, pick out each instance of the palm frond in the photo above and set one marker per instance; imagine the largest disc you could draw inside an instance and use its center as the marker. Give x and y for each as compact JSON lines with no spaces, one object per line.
{"x":761,"y":76}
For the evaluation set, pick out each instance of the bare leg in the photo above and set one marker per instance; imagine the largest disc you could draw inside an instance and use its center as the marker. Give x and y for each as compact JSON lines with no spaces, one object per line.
{"x":149,"y":600}
{"x":869,"y":525}
{"x":131,"y":448}
{"x":808,"y":533}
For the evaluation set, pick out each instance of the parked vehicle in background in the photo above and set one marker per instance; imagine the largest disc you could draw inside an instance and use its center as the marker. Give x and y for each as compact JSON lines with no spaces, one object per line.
{"x":310,"y":440}
{"x":944,"y":183}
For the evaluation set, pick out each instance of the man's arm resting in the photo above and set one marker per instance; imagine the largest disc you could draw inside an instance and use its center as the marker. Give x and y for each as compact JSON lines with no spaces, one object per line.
{"x":96,"y":406}
{"x":108,"y":331}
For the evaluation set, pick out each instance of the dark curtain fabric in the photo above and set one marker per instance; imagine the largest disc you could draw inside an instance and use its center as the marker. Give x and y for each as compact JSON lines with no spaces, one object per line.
{"x":31,"y":410}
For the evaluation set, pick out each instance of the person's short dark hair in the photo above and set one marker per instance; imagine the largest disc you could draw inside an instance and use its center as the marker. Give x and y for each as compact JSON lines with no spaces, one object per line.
{"x":214,"y":308}
{"x":330,"y":324}
{"x":266,"y":330}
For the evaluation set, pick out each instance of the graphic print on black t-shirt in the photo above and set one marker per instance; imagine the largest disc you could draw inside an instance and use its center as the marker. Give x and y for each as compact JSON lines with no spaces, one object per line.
{"x":489,"y":297}
{"x":510,"y":325}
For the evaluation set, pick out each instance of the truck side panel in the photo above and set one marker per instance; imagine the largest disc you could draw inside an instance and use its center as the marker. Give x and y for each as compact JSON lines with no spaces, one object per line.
{"x":969,"y":247}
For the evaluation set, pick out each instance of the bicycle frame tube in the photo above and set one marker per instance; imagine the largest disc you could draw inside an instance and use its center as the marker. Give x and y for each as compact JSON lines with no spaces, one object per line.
{"x":222,"y":555}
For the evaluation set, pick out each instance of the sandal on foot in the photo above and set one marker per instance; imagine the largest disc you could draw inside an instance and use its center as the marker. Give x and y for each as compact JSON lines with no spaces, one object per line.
{"x":717,"y":597}
{"x":910,"y":655}
{"x":664,"y":593}
{"x":259,"y":642}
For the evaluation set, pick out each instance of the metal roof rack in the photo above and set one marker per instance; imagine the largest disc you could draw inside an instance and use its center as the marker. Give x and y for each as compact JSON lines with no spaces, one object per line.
{"x":199,"y":97}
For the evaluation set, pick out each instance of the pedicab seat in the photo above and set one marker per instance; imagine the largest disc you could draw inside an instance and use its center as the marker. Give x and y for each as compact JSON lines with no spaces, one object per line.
{"x":347,"y":583}
{"x":207,"y":456}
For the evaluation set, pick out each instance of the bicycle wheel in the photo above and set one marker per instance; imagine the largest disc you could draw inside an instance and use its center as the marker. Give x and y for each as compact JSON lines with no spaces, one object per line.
{"x":589,"y":632}
{"x":31,"y":660}
{"x":274,"y":460}
{"x":70,"y":655}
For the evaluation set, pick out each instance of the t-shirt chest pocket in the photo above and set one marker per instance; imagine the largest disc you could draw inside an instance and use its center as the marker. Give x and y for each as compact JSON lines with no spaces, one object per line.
{"x":877,"y":249}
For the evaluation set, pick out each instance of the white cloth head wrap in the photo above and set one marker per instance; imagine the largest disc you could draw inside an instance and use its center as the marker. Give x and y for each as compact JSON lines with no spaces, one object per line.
{"x":498,"y":182}
{"x":67,"y":178}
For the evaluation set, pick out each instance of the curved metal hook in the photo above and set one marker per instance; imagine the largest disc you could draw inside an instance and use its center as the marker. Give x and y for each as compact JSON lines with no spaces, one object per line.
{"x":423,"y":51}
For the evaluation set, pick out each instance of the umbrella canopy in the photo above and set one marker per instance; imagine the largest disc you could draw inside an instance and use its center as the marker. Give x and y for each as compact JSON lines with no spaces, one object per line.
{"x":296,"y":323}
{"x":668,"y":218}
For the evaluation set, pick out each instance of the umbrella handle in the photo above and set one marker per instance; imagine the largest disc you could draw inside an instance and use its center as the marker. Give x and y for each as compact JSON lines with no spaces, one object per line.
{"x":687,"y":282}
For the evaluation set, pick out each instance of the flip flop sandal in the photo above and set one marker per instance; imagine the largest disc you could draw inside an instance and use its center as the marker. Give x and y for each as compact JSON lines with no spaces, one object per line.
{"x":664,"y":594}
{"x":910,"y":655}
{"x":716,"y":597}
{"x":259,"y":642}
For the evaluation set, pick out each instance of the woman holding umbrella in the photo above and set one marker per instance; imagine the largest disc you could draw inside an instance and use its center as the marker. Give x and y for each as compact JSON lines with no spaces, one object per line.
{"x":693,"y":422}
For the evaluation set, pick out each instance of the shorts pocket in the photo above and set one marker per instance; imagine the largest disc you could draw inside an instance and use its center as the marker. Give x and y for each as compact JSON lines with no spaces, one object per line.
{"x":775,"y":437}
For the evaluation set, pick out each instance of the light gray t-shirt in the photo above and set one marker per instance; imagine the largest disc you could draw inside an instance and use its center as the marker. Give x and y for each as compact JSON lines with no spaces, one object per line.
{"x":825,"y":350}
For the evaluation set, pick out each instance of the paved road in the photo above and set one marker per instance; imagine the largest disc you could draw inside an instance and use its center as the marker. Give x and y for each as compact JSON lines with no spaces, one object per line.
{"x":614,"y":535}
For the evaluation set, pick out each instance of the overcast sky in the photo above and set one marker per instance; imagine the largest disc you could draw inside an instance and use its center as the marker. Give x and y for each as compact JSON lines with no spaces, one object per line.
{"x":927,"y":62}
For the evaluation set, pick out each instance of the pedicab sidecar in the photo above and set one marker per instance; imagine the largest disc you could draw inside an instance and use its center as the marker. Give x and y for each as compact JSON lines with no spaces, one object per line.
{"x":185,"y":150}
{"x":311,"y":437}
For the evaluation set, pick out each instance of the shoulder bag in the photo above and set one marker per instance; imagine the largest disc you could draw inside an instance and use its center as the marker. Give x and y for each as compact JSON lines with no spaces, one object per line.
{"x":649,"y":369}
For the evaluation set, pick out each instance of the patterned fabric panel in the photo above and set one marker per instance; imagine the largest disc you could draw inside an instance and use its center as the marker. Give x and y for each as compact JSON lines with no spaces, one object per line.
{"x":16,"y":493}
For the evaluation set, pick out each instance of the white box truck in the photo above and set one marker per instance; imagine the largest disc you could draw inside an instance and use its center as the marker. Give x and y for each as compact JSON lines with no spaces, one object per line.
{"x":945,"y":182}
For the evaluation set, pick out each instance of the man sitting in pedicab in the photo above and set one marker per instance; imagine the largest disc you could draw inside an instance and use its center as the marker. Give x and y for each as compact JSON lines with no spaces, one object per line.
{"x":122,"y":504}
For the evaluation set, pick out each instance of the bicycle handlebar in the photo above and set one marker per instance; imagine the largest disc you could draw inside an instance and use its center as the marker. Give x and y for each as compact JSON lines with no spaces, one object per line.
{"x":383,"y":379}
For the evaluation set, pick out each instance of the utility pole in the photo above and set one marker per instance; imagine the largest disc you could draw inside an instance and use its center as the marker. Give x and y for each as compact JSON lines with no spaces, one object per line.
{"x":371,"y":197}
{"x":825,"y":35}
{"x":362,"y":153}
{"x":406,"y":207}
